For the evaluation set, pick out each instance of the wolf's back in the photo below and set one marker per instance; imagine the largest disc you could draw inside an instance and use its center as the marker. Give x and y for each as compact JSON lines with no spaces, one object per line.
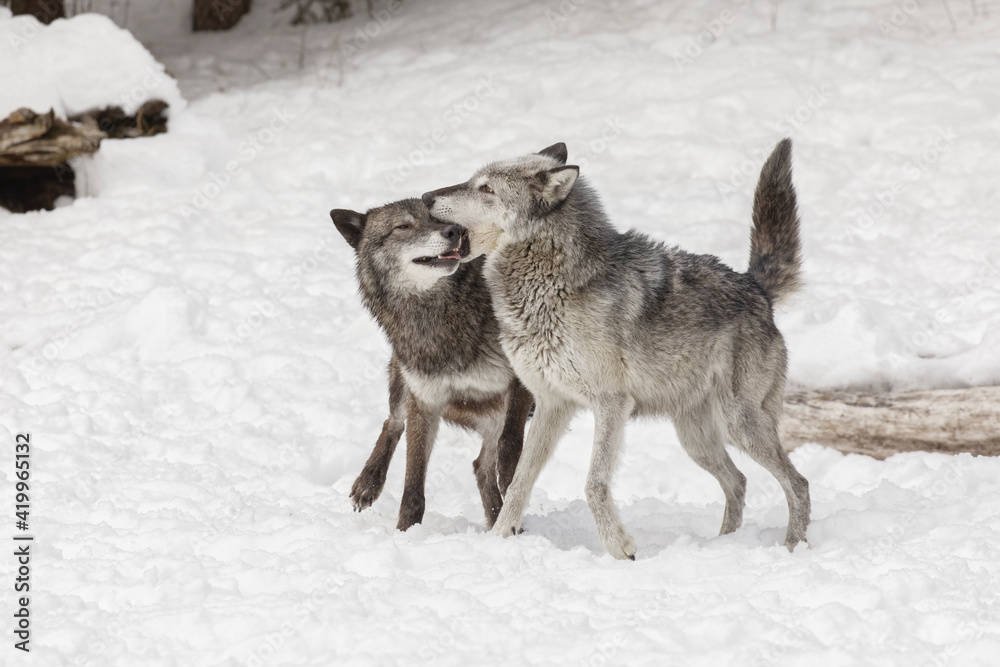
{"x":775,"y":250}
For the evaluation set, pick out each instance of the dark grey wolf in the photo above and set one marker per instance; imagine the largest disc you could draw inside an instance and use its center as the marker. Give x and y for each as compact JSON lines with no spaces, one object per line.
{"x":417,"y":280}
{"x":623,"y":325}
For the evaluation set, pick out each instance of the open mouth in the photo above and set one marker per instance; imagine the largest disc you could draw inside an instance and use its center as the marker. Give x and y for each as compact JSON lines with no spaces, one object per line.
{"x":450,"y":258}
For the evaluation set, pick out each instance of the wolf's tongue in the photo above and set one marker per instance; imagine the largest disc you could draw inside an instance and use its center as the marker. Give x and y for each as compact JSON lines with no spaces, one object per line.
{"x":452,"y":254}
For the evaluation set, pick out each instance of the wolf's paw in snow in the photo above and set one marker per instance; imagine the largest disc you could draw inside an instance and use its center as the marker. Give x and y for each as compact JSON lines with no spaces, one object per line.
{"x":792,"y":541}
{"x":366,"y":489}
{"x":621,"y":545}
{"x":506,"y":527}
{"x":509,"y":521}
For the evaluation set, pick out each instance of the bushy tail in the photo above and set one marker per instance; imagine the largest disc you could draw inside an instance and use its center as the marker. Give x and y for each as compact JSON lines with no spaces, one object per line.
{"x":775,"y":251}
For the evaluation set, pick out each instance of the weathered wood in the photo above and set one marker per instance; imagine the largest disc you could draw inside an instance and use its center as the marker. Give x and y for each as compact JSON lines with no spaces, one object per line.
{"x":45,"y":11}
{"x":35,"y":149}
{"x":951,"y":421}
{"x":29,"y":139}
{"x":218,"y":14}
{"x":148,"y":121}
{"x":327,"y":11}
{"x":25,"y":189}
{"x":23,"y":125}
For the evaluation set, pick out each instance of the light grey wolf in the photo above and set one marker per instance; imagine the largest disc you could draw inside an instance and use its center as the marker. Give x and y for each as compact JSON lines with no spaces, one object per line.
{"x":429,"y":296}
{"x":618,"y":323}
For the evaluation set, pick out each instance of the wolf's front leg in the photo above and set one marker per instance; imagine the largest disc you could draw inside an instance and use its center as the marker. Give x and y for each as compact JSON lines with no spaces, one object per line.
{"x":368,"y":486}
{"x":611,"y":415}
{"x":550,"y":422}
{"x":421,"y":430}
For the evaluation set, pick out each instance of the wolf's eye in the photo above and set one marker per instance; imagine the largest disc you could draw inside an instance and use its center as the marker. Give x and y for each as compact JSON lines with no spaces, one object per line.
{"x":485,"y":188}
{"x":399,"y":227}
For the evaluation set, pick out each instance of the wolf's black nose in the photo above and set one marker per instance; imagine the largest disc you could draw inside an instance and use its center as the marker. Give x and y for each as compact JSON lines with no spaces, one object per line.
{"x":452,"y":232}
{"x":428,"y":198}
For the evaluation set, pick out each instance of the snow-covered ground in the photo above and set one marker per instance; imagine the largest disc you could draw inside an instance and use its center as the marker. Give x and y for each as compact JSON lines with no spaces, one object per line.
{"x":202,"y":385}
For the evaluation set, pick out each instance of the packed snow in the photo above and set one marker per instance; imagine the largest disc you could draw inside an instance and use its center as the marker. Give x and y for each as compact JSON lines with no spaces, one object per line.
{"x":60,"y":67}
{"x":186,"y":346}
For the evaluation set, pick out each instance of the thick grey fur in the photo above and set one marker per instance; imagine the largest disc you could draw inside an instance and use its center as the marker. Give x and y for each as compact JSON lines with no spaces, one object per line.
{"x":446,"y":362}
{"x":623,"y":325}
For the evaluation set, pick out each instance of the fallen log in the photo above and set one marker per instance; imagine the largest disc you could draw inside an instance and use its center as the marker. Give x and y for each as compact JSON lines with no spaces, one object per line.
{"x":35,"y":149}
{"x":950,"y":421}
{"x":24,"y":189}
{"x":149,"y":120}
{"x":45,"y":11}
{"x":29,"y":139}
{"x":218,"y":14}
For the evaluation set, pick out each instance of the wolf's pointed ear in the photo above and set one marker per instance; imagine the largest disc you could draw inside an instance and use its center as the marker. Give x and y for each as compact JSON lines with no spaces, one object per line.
{"x":556,"y":151}
{"x":350,"y":224}
{"x":558,"y":183}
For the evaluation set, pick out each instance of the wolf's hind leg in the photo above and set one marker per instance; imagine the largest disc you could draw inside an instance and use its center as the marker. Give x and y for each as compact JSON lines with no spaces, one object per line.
{"x":610,"y":417}
{"x":369,"y":484}
{"x":701,"y":437}
{"x":519,"y":403}
{"x":756,"y":433}
{"x":551,"y":419}
{"x":485,"y":467}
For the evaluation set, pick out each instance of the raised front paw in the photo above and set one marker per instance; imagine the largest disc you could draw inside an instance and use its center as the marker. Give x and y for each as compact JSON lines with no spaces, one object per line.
{"x":366,"y":489}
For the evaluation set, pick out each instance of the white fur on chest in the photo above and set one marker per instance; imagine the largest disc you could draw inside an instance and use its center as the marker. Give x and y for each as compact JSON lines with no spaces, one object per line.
{"x":483,"y":380}
{"x":546,"y":354}
{"x":556,"y":346}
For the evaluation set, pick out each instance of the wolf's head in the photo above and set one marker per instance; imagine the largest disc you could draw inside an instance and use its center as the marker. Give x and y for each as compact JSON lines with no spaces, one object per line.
{"x":504,"y":200}
{"x":403,"y":244}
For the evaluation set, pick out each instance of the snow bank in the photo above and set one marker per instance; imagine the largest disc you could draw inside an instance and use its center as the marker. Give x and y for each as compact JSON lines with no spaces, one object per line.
{"x":77,"y":64}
